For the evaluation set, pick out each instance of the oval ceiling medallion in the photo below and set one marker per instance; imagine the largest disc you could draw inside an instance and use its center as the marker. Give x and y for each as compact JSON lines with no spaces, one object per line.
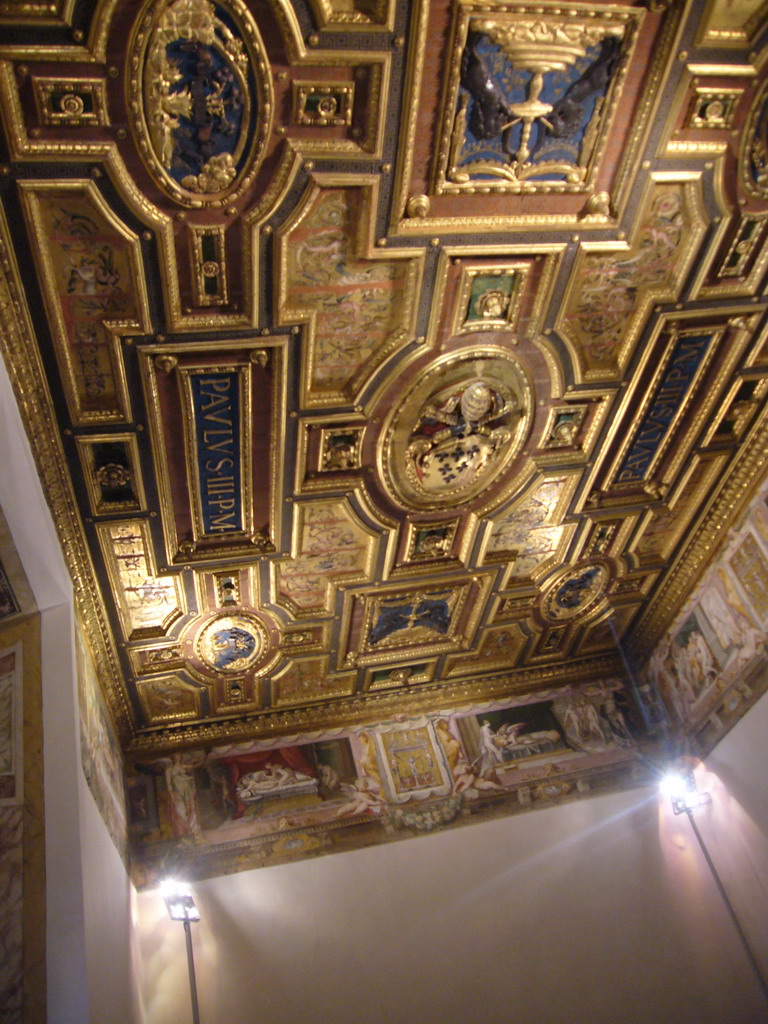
{"x":202,"y":98}
{"x":576,"y":592}
{"x":459,"y":426}
{"x":232,"y":643}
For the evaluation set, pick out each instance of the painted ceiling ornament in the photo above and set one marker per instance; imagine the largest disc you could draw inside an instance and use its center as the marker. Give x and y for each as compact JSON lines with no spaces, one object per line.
{"x":533,"y":98}
{"x":754,"y":147}
{"x":232,"y":643}
{"x":576,"y":593}
{"x":202,"y":96}
{"x":457,"y":429}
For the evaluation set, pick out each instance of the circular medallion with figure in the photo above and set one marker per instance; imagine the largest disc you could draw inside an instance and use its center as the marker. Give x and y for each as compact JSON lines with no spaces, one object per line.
{"x":576,"y":592}
{"x":232,"y":643}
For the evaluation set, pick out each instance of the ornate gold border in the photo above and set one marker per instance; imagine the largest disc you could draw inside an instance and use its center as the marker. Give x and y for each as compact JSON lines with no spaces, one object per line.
{"x":373,"y":706}
{"x":138,"y":43}
{"x":357,"y":651}
{"x":401,"y":676}
{"x":412,"y":528}
{"x":337,"y":582}
{"x":205,"y":269}
{"x":302,"y":90}
{"x":43,"y":86}
{"x":710,"y":533}
{"x":464,"y":11}
{"x":30,"y":192}
{"x":148,"y":358}
{"x":739,"y":36}
{"x":365,"y":250}
{"x":154,"y":719}
{"x":692,"y":191}
{"x":345,"y":684}
{"x":348,"y":17}
{"x":110,"y":561}
{"x":19,"y":350}
{"x":518,"y":271}
{"x":184,"y":375}
{"x":100,"y":507}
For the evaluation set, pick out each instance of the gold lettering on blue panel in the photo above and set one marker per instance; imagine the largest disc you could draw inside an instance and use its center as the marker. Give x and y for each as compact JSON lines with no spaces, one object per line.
{"x":670,"y":394}
{"x":218,"y":466}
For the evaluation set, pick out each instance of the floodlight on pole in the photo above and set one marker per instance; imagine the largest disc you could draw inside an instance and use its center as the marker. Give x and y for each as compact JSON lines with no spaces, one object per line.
{"x":679,"y":784}
{"x":181,"y":907}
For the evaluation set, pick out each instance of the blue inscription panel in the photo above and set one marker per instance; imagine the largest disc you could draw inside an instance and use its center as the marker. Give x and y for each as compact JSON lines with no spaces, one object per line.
{"x":670,"y":392}
{"x":216,"y":409}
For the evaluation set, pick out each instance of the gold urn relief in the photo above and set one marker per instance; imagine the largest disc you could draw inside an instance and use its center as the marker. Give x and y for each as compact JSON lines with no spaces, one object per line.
{"x":459,"y":427}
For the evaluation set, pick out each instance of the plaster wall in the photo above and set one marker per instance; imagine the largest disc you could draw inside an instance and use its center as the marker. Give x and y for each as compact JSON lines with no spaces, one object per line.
{"x":88,"y":908}
{"x":590,"y":913}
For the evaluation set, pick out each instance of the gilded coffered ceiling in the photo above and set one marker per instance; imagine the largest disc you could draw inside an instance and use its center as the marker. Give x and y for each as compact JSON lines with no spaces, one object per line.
{"x":385,"y":362}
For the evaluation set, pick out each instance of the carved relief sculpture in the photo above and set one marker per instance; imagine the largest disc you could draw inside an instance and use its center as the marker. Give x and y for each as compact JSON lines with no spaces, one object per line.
{"x":533,"y":98}
{"x":457,"y":428}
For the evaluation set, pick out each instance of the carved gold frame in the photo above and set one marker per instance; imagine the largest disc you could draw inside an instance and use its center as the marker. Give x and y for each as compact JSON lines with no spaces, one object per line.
{"x":149,"y":354}
{"x":288,"y":313}
{"x":172,"y":716}
{"x":30,"y":191}
{"x":100,"y":507}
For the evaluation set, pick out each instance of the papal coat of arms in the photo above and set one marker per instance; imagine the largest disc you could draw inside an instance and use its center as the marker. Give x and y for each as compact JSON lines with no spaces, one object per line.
{"x":449,"y":442}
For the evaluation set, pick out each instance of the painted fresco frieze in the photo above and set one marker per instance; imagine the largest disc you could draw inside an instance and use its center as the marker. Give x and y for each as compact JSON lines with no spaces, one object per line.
{"x":412,"y":775}
{"x":708,"y":664}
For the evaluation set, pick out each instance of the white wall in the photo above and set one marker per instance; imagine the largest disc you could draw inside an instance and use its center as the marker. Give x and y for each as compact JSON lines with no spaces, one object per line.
{"x":88,"y":895}
{"x":592,"y":913}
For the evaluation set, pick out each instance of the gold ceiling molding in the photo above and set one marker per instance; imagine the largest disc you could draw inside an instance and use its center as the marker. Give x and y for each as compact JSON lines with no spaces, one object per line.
{"x":359,"y":428}
{"x":483,"y":404}
{"x":416,"y":213}
{"x":611,"y":292}
{"x":735,"y":24}
{"x":58,"y":12}
{"x":22,"y":361}
{"x":376,"y":706}
{"x":358,"y":301}
{"x":360,"y":15}
{"x":332,"y":548}
{"x":170,"y":370}
{"x":94,"y":288}
{"x":709,"y":535}
{"x":242,"y":83}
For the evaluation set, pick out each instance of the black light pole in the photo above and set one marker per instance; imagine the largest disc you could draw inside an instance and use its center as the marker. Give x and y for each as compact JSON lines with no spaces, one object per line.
{"x":181,"y":907}
{"x":191,"y":965}
{"x":685,"y":797}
